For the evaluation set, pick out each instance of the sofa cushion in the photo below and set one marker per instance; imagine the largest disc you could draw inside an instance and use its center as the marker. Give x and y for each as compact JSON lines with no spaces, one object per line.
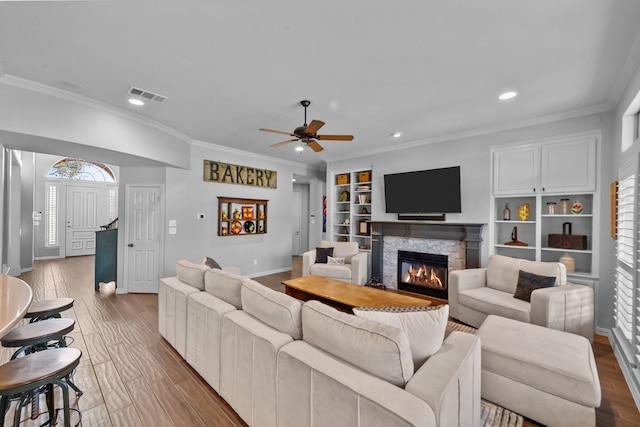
{"x":376,"y":348}
{"x":278,"y":310}
{"x":224,"y":285}
{"x":529,"y":282}
{"x":191,"y":274}
{"x":491,"y":301}
{"x":335,"y":261}
{"x":322,"y":254}
{"x":344,"y":250}
{"x":342,"y":272}
{"x":424,"y":326}
{"x":502,"y":272}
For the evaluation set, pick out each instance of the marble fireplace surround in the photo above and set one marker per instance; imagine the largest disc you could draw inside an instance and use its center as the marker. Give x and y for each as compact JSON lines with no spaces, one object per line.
{"x":460,"y":241}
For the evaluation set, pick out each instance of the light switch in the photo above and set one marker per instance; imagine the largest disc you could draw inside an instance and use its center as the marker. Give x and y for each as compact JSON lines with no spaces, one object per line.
{"x":173,"y":223}
{"x":173,"y":230}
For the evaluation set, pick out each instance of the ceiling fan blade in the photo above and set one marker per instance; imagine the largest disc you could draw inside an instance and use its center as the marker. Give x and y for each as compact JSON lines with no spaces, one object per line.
{"x":314,"y":126}
{"x":315,"y":146}
{"x":283,"y":143}
{"x":335,"y":137}
{"x":277,"y":131}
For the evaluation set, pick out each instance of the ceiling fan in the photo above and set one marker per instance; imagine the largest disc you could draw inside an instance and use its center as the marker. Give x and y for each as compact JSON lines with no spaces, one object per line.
{"x":308,"y":133}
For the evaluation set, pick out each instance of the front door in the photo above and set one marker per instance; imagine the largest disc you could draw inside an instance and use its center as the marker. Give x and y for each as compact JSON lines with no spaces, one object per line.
{"x":295,"y":223}
{"x":142,"y":231}
{"x":82,"y":219}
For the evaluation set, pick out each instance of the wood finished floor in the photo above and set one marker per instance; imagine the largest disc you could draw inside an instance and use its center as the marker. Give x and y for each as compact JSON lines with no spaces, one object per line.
{"x":132,"y":377}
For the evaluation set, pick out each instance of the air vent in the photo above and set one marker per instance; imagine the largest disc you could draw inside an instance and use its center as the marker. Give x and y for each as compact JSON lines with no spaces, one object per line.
{"x":146,"y":94}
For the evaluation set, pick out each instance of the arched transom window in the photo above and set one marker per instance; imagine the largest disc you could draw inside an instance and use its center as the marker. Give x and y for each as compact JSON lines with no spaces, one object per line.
{"x":82,"y":170}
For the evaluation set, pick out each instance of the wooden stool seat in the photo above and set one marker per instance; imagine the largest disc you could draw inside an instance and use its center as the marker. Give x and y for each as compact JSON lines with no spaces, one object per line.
{"x":23,"y":378}
{"x":41,"y":310}
{"x":38,"y":333}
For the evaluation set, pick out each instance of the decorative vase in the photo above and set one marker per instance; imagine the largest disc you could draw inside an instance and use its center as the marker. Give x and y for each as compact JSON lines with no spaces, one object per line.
{"x":506,"y":213}
{"x":523,"y":211}
{"x":568,"y":261}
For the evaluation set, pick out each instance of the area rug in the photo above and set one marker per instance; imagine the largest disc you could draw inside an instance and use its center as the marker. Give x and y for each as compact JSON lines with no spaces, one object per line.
{"x":491,"y":414}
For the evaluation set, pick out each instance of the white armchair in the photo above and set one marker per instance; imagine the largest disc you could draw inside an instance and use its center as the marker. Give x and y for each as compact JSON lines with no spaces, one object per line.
{"x":355,"y":265}
{"x":476,"y":293}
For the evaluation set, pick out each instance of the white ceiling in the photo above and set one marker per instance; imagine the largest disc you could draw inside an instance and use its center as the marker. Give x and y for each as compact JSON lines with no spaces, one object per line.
{"x":428,"y":68}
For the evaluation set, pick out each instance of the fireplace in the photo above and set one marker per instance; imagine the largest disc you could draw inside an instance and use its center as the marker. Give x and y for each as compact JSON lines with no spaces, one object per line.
{"x":424,"y":273}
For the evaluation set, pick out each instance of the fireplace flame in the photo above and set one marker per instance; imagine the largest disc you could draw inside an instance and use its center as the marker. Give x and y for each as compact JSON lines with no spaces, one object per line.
{"x":424,"y":276}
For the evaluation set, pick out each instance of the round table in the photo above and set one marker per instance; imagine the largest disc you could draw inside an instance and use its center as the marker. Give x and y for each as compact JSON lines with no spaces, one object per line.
{"x":15,"y":299}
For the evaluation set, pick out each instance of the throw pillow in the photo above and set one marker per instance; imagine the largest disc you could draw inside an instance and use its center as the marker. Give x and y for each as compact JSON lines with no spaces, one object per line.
{"x":211,"y":263}
{"x":322,"y":254}
{"x":425,"y":326}
{"x":335,"y":261}
{"x":529,"y":282}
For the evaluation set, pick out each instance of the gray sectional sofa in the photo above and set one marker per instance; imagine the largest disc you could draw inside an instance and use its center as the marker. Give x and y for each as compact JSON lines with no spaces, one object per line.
{"x":281,"y":362}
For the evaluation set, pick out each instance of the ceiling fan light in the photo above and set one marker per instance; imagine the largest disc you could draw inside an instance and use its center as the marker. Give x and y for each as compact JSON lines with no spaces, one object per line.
{"x":299,"y":148}
{"x":397,"y":134}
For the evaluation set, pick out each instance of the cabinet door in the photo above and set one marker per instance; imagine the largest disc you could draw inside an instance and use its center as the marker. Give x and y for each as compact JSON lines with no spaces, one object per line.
{"x":569,"y":166}
{"x":515,"y":171}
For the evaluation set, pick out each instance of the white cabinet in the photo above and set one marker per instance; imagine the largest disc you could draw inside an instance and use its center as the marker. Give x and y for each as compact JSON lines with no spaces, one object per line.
{"x":543,"y":175}
{"x":563,"y":166}
{"x":352,"y":208}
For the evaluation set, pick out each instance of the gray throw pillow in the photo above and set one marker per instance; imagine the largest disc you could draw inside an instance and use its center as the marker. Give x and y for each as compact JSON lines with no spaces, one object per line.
{"x":211,"y":263}
{"x":529,"y":282}
{"x":322,"y":254}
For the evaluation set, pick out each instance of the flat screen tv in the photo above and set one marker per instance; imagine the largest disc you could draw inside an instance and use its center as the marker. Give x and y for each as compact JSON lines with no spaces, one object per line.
{"x":433,"y":191}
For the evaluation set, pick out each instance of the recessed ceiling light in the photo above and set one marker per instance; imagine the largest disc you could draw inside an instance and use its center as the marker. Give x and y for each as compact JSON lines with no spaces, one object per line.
{"x":507,"y":95}
{"x":136,"y":101}
{"x":396,"y":134}
{"x":299,"y":148}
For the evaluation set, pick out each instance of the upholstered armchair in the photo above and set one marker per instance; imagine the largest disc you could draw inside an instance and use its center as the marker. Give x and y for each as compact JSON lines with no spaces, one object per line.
{"x":349,"y":264}
{"x":476,"y":293}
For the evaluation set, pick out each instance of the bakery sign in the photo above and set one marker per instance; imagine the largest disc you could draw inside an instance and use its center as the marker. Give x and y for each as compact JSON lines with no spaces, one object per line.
{"x":236,"y":174}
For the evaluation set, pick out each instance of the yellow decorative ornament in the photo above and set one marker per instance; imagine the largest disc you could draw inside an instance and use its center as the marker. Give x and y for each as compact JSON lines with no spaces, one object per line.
{"x":523,"y":211}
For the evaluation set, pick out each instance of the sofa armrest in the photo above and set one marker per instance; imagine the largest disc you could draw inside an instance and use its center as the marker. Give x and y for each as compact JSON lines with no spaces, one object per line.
{"x":308,"y":259}
{"x":449,"y":381}
{"x":461,"y":280}
{"x":359,"y":268}
{"x":566,"y":308}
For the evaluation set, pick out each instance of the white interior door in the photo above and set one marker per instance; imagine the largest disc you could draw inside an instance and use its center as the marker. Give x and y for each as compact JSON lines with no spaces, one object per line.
{"x":142,"y":231}
{"x":83,"y":207}
{"x":296,"y":209}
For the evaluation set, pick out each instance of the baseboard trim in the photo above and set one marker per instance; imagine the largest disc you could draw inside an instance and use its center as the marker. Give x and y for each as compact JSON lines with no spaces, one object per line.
{"x":266,"y":273}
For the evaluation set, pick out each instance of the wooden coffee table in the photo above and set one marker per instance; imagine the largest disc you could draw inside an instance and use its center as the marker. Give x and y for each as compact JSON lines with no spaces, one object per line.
{"x":345,"y":296}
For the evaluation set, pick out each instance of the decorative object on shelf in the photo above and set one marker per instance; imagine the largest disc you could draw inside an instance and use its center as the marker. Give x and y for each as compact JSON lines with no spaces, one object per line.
{"x":523,"y":211}
{"x":224,"y":215}
{"x":261,"y":229}
{"x":568,"y":261}
{"x":565,"y":206}
{"x":365,"y":247}
{"x":566,"y":240}
{"x":344,"y":230}
{"x":236,"y":226}
{"x":514,"y":239}
{"x":236,"y":214}
{"x":577,"y":207}
{"x":247,"y":212}
{"x":364,"y":176}
{"x":261,"y":214}
{"x":551,"y":208}
{"x":344,"y":196}
{"x":342,"y":179}
{"x":363,"y":227}
{"x":224,"y":231}
{"x":362,"y":199}
{"x":249,"y":226}
{"x":343,"y":239}
{"x":364,"y":211}
{"x":506,"y":213}
{"x":347,"y":221}
{"x":244,"y":175}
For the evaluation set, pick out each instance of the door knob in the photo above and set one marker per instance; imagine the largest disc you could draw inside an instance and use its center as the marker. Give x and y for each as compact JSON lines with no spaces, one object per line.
{"x":130,"y":245}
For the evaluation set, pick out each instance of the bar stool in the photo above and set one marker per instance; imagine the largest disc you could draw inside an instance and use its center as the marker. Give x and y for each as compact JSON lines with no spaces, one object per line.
{"x":39,"y":336}
{"x":25,"y":376}
{"x":47,"y":309}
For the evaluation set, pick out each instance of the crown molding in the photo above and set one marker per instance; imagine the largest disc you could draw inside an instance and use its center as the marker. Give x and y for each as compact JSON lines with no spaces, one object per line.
{"x":32,"y":86}
{"x":626,"y":74}
{"x":596,"y":109}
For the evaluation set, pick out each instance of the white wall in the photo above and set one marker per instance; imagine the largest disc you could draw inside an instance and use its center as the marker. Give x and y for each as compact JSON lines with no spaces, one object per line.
{"x":472,"y":154}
